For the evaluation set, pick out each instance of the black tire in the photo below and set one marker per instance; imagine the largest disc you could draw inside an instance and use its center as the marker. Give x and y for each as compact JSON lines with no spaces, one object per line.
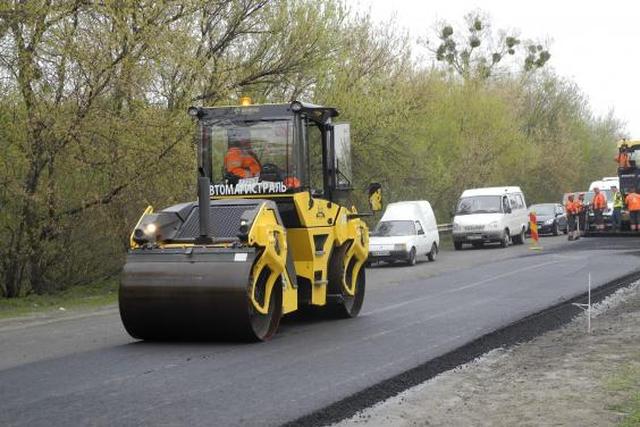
{"x":556,"y":229}
{"x":457,"y":245}
{"x":411,"y":261}
{"x":505,"y":239}
{"x":520,"y":238}
{"x":345,"y":306}
{"x":433,"y":253}
{"x":264,"y":326}
{"x":566,"y":230}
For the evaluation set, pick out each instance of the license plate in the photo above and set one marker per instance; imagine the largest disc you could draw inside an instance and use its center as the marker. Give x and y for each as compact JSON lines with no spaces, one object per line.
{"x":474,"y":237}
{"x":380,"y":253}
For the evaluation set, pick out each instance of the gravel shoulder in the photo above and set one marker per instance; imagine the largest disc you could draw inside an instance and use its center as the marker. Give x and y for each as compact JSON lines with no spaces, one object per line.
{"x":564,"y":377}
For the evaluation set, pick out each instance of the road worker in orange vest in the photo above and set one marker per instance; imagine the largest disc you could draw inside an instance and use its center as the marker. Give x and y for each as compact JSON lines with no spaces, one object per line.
{"x":598,"y":205}
{"x":571,"y":207}
{"x":633,"y":204}
{"x":583,"y":215}
{"x":623,"y":158}
{"x":240,"y":160}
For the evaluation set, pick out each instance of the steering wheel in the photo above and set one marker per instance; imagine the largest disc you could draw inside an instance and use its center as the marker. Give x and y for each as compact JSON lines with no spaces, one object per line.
{"x":271,"y":172}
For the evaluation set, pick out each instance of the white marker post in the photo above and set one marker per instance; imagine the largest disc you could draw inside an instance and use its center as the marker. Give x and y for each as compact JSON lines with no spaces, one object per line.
{"x":587,"y":307}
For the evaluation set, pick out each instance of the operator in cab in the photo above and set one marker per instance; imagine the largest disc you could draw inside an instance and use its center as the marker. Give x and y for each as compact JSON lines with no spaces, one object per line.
{"x":241,"y":162}
{"x":623,"y":158}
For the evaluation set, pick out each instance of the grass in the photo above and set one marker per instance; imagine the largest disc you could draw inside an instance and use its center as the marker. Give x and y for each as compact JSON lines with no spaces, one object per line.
{"x":78,"y":297}
{"x":627,"y":382}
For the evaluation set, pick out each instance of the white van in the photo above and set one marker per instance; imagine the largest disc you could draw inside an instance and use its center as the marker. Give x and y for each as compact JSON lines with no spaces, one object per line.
{"x":485,"y":215}
{"x":606,"y":183}
{"x":406,"y":232}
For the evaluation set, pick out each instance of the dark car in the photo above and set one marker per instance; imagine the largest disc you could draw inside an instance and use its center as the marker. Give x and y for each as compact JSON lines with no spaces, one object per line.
{"x":551,"y":218}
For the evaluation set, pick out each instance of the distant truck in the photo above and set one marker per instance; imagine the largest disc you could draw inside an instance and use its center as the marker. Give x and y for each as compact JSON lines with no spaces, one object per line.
{"x":406,"y":232}
{"x":629,"y":177}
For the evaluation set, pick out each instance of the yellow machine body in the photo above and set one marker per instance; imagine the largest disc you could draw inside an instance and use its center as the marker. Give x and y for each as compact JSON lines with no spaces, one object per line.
{"x":235,"y":271}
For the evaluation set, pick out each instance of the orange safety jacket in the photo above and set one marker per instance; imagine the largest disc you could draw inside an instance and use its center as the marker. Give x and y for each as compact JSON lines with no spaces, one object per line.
{"x":578,"y":205}
{"x":571,"y":207}
{"x":633,"y":201}
{"x":241,"y":163}
{"x":599,"y":202}
{"x":623,"y":160}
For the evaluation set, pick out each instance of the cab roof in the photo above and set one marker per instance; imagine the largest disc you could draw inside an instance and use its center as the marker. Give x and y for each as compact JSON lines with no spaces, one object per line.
{"x":490,"y":191}
{"x":254,"y":112}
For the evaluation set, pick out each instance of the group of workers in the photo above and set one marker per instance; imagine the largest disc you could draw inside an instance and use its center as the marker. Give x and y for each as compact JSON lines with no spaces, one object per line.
{"x":578,"y":211}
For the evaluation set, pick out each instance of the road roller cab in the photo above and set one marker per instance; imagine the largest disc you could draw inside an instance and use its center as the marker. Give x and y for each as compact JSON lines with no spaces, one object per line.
{"x":270,"y":233}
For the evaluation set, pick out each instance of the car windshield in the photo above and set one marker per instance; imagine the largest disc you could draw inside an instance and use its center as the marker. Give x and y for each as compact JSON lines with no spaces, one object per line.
{"x":251,"y":156}
{"x":547,"y":210}
{"x":395,"y":228}
{"x":479,"y":204}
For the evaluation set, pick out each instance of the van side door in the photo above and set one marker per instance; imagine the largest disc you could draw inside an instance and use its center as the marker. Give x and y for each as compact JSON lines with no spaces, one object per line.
{"x":422,"y":239}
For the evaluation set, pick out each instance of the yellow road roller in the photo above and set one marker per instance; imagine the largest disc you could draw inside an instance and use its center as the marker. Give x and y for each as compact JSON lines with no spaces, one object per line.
{"x":272,"y":230}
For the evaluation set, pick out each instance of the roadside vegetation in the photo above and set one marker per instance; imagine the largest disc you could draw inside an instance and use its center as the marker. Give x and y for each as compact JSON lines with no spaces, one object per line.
{"x":93,"y":125}
{"x":74,"y":298}
{"x":626,"y":382}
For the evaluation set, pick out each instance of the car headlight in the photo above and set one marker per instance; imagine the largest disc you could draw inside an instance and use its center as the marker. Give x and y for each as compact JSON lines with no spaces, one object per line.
{"x":456,"y":227}
{"x":400,"y":247}
{"x":493,"y":225}
{"x":549,"y":222}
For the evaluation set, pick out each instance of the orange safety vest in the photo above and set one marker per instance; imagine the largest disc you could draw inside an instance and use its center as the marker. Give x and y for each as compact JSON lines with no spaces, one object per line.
{"x":292,"y":182}
{"x":599,"y":202}
{"x":633,"y":201}
{"x":241,"y":163}
{"x":571,"y":207}
{"x":623,"y":160}
{"x":578,"y":206}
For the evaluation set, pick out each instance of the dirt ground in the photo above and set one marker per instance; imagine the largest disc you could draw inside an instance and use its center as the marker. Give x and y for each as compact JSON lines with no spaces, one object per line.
{"x":562,"y":378}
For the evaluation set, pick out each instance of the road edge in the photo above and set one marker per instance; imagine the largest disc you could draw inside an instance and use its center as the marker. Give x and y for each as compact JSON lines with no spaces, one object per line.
{"x":517,"y":332}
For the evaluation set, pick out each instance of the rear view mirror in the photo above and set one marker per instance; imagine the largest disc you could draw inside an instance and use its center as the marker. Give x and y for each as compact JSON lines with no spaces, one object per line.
{"x":375,"y":197}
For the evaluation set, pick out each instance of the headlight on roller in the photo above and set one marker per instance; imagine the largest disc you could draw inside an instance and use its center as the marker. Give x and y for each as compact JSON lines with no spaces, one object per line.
{"x":150,"y":229}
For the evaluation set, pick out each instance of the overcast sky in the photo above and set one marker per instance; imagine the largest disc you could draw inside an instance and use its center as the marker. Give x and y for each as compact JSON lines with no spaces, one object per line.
{"x":595,"y":43}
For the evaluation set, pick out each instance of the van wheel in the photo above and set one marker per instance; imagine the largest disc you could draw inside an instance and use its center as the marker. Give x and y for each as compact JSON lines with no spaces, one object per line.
{"x":433,"y":252}
{"x":520,"y":238}
{"x":505,"y":239}
{"x":412,"y":257}
{"x":457,"y":245}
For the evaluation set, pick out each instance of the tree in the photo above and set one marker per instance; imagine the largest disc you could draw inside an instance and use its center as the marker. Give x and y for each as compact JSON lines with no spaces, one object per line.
{"x":473,"y":54}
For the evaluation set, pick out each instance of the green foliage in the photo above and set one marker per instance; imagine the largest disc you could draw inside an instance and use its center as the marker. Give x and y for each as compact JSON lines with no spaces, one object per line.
{"x":625,"y":383}
{"x":93,"y":129}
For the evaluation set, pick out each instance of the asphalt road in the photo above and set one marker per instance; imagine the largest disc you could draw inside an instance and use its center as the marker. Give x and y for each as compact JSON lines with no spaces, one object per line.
{"x":83,"y":368}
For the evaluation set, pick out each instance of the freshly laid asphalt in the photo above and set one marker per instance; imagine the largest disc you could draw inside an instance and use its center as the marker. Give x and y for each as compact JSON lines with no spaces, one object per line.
{"x":84,"y":369}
